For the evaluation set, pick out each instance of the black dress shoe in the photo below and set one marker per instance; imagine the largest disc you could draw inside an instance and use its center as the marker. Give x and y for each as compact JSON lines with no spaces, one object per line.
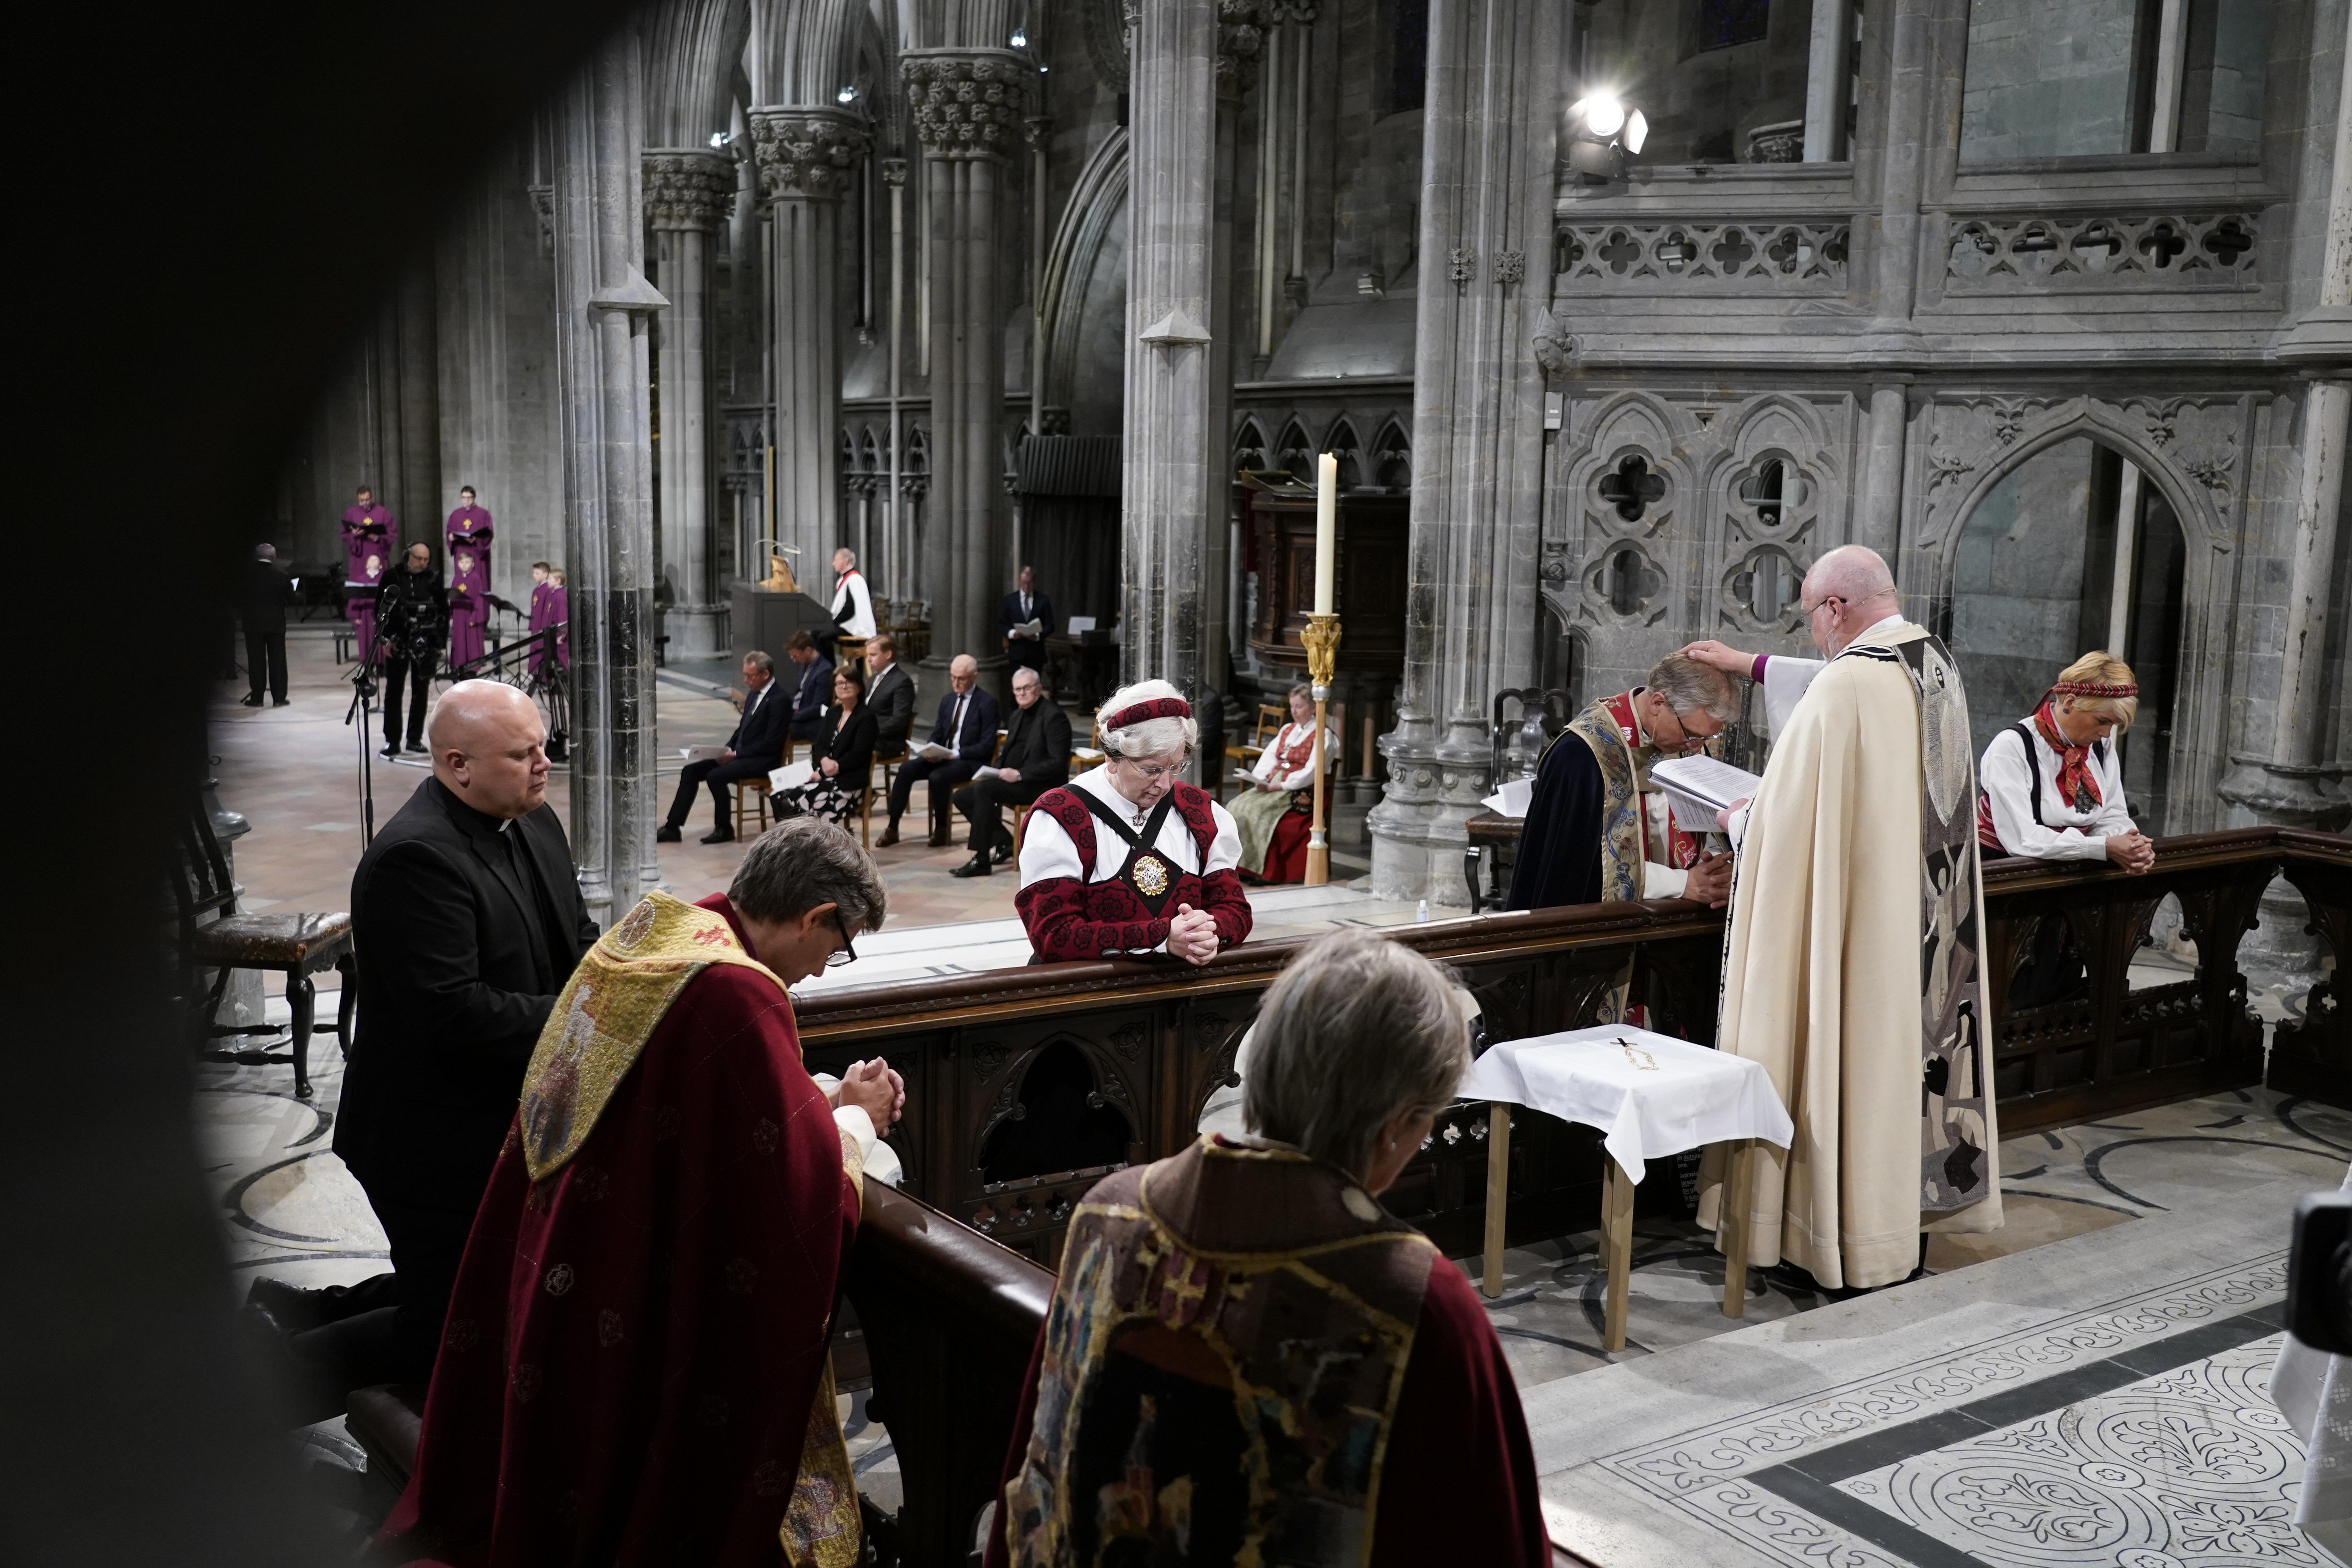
{"x":976,"y":866}
{"x":1001,"y":854}
{"x":416,"y":749}
{"x":667,"y":834}
{"x":717,"y":835}
{"x":389,"y":751}
{"x":889,"y":836}
{"x":250,"y":699}
{"x":281,"y":702}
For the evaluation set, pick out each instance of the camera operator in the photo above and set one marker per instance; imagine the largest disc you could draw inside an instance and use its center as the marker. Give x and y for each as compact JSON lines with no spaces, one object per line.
{"x":471,"y":920}
{"x":412,"y":625}
{"x":2311,"y":1381}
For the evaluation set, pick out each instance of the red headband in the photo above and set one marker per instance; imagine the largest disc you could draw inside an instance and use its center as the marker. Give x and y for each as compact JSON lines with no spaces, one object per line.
{"x":2092,"y":688}
{"x":1152,"y":708}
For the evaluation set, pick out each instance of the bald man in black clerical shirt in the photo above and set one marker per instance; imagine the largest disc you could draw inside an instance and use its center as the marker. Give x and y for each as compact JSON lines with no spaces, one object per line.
{"x":471,"y":921}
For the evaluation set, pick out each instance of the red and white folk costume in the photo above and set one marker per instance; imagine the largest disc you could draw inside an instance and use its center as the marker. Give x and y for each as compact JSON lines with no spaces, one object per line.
{"x":1101,"y":878}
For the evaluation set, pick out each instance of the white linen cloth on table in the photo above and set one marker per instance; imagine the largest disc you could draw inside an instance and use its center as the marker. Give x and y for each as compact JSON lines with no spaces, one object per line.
{"x":1688,"y":1095}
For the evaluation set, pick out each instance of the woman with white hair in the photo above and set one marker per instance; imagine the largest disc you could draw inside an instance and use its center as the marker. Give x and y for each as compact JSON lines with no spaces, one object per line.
{"x":1248,"y":1358}
{"x":1127,"y":859}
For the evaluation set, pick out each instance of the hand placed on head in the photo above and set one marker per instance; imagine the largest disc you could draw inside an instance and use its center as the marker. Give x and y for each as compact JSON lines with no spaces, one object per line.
{"x":1193,"y":935}
{"x":1721,"y":656}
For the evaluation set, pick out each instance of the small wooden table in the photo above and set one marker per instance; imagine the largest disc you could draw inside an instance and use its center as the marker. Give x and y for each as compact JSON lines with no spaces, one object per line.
{"x":1602,"y":1077}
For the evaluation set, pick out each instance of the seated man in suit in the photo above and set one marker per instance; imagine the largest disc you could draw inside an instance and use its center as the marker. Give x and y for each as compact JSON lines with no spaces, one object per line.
{"x":1035,"y":757}
{"x":469,"y":912}
{"x":967,"y":727}
{"x":1021,"y":606}
{"x":754,"y":750}
{"x":815,"y":689}
{"x":890,"y":694}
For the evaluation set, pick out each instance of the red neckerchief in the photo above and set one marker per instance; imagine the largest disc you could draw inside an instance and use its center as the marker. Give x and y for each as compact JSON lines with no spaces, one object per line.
{"x":1682,"y":849}
{"x":2076,"y":787}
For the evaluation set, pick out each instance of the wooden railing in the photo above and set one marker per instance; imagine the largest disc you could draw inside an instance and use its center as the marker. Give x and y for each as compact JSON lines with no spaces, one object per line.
{"x":1024,"y":1085}
{"x":948,"y":1316}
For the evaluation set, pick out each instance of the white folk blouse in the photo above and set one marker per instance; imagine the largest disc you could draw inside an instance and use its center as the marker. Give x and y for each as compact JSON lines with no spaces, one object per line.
{"x":1268,"y":769}
{"x":1047,"y":852}
{"x":2062,"y":833}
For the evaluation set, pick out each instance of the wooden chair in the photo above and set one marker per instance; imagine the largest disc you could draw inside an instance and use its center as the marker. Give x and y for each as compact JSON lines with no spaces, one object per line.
{"x":752,"y":800}
{"x":296,"y":945}
{"x":1271,"y":718}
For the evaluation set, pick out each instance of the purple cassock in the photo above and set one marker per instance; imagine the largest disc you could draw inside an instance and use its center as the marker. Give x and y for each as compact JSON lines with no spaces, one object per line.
{"x":548,"y":608}
{"x":469,"y":582}
{"x":370,"y":538}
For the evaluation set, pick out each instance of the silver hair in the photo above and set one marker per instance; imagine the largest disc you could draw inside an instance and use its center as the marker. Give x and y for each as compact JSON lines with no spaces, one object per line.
{"x":265,"y":552}
{"x":1688,"y":686}
{"x":844,"y":550}
{"x":1357,"y":1029}
{"x":760,"y":661}
{"x":1152,"y":737}
{"x":804,"y":861}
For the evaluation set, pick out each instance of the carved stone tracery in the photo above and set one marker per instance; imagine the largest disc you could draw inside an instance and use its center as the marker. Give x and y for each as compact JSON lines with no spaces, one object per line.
{"x":807,"y":152}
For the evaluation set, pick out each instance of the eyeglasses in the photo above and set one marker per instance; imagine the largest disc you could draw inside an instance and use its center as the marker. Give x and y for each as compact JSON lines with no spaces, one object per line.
{"x":1817,"y":603}
{"x":1153,"y":774}
{"x":849,"y":954}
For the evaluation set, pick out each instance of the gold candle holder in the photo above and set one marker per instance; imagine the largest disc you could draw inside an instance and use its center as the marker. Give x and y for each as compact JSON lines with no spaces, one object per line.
{"x":1320,"y":637}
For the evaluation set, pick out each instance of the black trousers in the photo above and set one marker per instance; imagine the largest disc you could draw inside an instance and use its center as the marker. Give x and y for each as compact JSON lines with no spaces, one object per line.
{"x":266,"y":652}
{"x":717,"y":775}
{"x":418,"y":674}
{"x":982,"y":803}
{"x":902,"y":789}
{"x":393,"y":1328}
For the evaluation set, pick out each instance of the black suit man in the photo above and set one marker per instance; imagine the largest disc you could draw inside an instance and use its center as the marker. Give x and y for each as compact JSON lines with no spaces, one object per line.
{"x":967,"y":727}
{"x":1035,"y":758}
{"x":754,"y":750}
{"x":815,"y":688}
{"x":262,"y":606}
{"x":467,"y":910}
{"x":1021,"y":606}
{"x":889,"y":696}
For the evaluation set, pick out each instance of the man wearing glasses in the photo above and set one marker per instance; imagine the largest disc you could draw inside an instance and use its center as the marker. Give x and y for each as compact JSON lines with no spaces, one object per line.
{"x":1597,"y":829}
{"x":650,"y":1281}
{"x":1853,"y":969}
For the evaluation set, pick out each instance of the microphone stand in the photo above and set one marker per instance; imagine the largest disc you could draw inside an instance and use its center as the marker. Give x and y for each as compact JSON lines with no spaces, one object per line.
{"x":361,"y":709}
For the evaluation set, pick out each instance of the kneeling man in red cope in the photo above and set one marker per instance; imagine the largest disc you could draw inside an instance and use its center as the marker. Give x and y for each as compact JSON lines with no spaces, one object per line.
{"x":1127,"y":860}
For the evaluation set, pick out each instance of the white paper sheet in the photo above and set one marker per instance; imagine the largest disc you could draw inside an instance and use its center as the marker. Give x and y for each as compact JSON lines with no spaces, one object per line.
{"x":792,"y":775}
{"x":1698,"y":787}
{"x":1512,"y":799}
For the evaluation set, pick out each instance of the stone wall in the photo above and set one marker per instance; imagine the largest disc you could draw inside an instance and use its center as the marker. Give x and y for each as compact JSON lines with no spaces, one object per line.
{"x":2048,"y":78}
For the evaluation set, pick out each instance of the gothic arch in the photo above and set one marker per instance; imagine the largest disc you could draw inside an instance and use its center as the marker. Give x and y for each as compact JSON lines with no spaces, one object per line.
{"x":1097,"y":204}
{"x":1392,"y":458}
{"x":2191,"y":451}
{"x":1250,"y":450}
{"x":690,"y":48}
{"x":1344,"y":445}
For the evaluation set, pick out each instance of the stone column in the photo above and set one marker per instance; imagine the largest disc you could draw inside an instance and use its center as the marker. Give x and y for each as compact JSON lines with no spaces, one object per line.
{"x":968,"y":106}
{"x":1488,"y":171}
{"x":1878,"y":504}
{"x":688,"y":193}
{"x":808,"y":161}
{"x":1168,"y":476}
{"x":1899,"y":148}
{"x":604,"y":310}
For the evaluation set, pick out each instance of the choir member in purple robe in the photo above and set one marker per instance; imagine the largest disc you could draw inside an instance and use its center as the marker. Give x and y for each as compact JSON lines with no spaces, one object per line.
{"x":470,"y":609}
{"x":370,"y":540}
{"x":544,"y":612}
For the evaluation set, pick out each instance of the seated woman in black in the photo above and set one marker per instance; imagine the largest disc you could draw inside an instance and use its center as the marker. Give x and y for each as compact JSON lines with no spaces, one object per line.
{"x":842,"y":753}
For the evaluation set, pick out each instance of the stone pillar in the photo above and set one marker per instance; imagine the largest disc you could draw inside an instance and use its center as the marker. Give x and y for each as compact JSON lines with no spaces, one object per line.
{"x":1488,"y":171}
{"x":1878,"y":505}
{"x":1168,"y":482}
{"x":1903,"y":143}
{"x":688,"y":192}
{"x":968,"y":106}
{"x":808,"y":161}
{"x":604,"y":310}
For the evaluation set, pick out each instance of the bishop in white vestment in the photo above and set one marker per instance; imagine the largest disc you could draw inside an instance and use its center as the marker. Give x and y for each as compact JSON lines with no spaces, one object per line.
{"x":1853,"y":964}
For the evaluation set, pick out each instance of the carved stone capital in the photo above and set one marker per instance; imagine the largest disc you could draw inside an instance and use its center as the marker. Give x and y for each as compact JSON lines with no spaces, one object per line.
{"x":689,"y":188}
{"x":894,"y":173}
{"x":1241,"y":36}
{"x":966,"y":104}
{"x":807,"y":152}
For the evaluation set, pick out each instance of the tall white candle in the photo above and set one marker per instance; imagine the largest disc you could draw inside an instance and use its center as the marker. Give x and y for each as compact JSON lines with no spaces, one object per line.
{"x":1327,"y":530}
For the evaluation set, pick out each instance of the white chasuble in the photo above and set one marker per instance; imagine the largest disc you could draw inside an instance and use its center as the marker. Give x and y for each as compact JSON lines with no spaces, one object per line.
{"x":1852,"y":967}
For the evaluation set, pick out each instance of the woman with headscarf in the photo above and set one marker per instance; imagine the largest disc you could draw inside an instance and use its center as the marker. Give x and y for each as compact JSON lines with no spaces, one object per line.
{"x":1127,"y":860}
{"x":1271,"y":811}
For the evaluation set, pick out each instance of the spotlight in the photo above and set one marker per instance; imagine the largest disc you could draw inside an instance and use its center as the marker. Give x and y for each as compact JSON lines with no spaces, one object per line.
{"x":1601,"y":132}
{"x":846,"y":95}
{"x":720,"y":139}
{"x":1020,"y":37}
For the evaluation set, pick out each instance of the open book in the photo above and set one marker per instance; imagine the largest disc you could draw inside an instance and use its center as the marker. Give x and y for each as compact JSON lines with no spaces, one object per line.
{"x":1032,"y":628}
{"x":792,"y":775}
{"x":1698,"y":787}
{"x":932,"y":752}
{"x":703,"y":753}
